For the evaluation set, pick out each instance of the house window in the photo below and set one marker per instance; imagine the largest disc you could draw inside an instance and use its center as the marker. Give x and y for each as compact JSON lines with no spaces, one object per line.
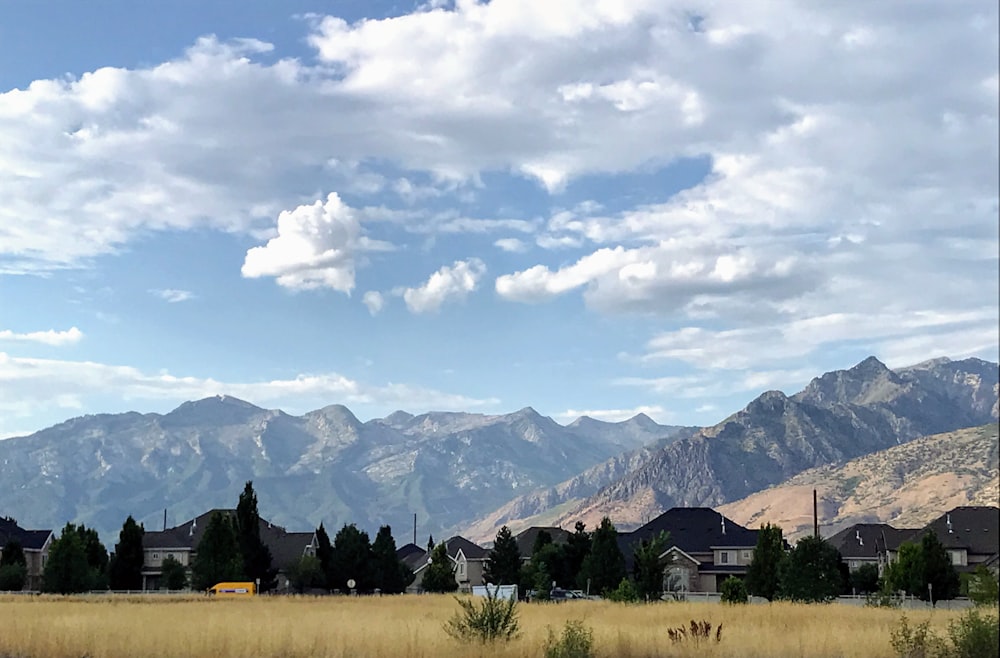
{"x":156,"y":556}
{"x":956,"y":557}
{"x":724,"y":557}
{"x":748,"y":555}
{"x":170,"y":555}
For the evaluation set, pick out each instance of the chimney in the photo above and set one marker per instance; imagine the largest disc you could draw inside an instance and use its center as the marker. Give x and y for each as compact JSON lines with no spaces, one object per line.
{"x":857,"y":535}
{"x":948,"y":521}
{"x":723,"y":524}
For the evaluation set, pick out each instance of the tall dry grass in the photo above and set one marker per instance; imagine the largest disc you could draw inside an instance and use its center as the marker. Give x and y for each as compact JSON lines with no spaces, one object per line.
{"x":411,"y":627}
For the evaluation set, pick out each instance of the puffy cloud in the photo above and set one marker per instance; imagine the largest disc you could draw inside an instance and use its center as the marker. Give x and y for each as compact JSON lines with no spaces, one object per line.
{"x":450,"y":283}
{"x":31,"y":386}
{"x":315,"y":247}
{"x":511,"y":245}
{"x":48,"y":337}
{"x":374,"y":300}
{"x":172,"y":295}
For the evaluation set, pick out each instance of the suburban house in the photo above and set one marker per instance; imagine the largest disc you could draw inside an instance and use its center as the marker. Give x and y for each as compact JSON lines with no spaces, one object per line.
{"x":526,"y":539}
{"x":869,"y":543}
{"x":704,"y":548}
{"x":971,"y":535}
{"x":468,"y":562}
{"x":34,"y":543}
{"x":181,"y":543}
{"x":412,"y":556}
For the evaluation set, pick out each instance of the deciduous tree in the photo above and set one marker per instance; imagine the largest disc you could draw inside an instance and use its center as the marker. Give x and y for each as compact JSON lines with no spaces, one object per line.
{"x":811,"y":572}
{"x":439,"y":575}
{"x":66,"y":570}
{"x":173,"y":575}
{"x":648,"y":566}
{"x":218,"y":557}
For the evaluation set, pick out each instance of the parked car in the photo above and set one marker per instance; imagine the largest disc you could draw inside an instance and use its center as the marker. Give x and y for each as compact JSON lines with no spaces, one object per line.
{"x":559,"y":594}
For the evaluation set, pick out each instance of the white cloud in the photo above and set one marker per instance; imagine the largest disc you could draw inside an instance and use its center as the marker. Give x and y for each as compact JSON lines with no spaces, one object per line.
{"x":374,"y":300}
{"x":315,"y":247}
{"x":31,"y":386}
{"x":172,"y":295}
{"x":656,"y":412}
{"x":511,"y":245}
{"x":450,"y":283}
{"x":48,"y":337}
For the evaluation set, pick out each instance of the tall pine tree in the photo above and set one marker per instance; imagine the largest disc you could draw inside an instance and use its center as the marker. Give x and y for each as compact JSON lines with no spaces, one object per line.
{"x":217,"y":558}
{"x":762,"y":574}
{"x":324,"y":553}
{"x":125,"y":569}
{"x":503,"y":564}
{"x":648,"y":566}
{"x":351,"y":559}
{"x":389,"y":575}
{"x":576,"y":551}
{"x":604,"y":567}
{"x":255,"y":554}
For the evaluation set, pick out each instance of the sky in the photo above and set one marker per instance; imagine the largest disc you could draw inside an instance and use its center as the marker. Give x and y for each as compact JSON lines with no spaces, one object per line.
{"x":602,"y":207}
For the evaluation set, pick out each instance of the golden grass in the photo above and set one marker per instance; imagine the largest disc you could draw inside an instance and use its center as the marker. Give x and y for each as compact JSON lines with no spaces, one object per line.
{"x":411,"y":627}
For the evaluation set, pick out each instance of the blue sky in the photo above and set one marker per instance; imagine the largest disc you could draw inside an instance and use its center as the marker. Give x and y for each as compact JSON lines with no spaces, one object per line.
{"x":597,"y":208}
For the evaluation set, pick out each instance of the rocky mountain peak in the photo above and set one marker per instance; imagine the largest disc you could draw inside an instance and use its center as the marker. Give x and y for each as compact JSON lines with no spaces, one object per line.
{"x":221,"y":409}
{"x":868,"y":382}
{"x":336,"y":414}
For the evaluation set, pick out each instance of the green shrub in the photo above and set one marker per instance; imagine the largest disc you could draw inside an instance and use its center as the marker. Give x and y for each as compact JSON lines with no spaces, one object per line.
{"x":576,"y":641}
{"x":494,"y":619}
{"x":734,"y":590}
{"x":624,"y":593}
{"x":982,"y":586}
{"x":13,"y":577}
{"x":975,"y":635}
{"x":918,"y":642}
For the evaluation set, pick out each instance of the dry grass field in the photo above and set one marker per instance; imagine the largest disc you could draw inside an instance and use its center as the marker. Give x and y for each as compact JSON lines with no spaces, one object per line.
{"x":411,"y":627}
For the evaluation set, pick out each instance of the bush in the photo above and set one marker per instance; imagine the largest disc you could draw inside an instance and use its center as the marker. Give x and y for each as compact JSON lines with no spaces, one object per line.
{"x":975,"y":635}
{"x":173,"y":575}
{"x":918,"y":642}
{"x":982,"y":586}
{"x":577,"y":641}
{"x":494,"y":619}
{"x":624,"y":593}
{"x":734,"y":590}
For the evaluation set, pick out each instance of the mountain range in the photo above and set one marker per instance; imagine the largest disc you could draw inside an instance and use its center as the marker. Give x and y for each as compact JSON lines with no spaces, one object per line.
{"x":838,"y":416}
{"x":470,"y":472}
{"x":326,"y":465}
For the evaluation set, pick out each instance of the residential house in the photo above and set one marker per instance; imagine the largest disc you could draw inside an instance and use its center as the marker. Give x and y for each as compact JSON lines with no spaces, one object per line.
{"x":34,"y":543}
{"x":868,"y":543}
{"x":704,"y":548}
{"x":468,"y":562}
{"x":526,"y":539}
{"x":971,"y":535}
{"x":181,"y":543}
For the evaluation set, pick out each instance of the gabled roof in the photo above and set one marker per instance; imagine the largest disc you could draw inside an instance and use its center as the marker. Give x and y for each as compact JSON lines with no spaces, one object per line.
{"x":412,"y":556}
{"x":693,"y":530}
{"x":526,"y":538}
{"x":30,"y":540}
{"x":865,"y":540}
{"x":470,"y":550}
{"x":976,"y":529}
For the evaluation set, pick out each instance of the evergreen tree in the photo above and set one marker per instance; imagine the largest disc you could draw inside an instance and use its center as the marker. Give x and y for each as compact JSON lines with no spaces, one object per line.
{"x":439,"y":576}
{"x":255,"y":554}
{"x":604,"y":566}
{"x":351,"y":559}
{"x":125,"y":569}
{"x":938,"y":571}
{"x":324,"y":553}
{"x":13,"y":567}
{"x":548,"y":565}
{"x":648,"y":566}
{"x":97,"y":556}
{"x":66,"y":570}
{"x":542,"y":539}
{"x":173,"y":575}
{"x":811,"y":572}
{"x":430,"y":544}
{"x":576,"y":551}
{"x":762,"y":574}
{"x":503,"y":565}
{"x":217,"y":558}
{"x":390,"y":575}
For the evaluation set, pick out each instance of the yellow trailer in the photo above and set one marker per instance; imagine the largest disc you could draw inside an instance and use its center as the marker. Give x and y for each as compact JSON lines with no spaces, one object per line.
{"x":233,"y":590}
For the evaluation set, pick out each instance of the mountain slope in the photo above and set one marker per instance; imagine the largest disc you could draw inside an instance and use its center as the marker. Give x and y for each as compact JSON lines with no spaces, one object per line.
{"x":838,"y":416}
{"x":323,"y":466}
{"x":906,"y":485}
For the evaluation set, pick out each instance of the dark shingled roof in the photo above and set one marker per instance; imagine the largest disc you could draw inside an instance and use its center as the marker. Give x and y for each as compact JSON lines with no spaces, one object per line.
{"x":867,"y":540}
{"x":30,"y":540}
{"x":526,"y":538}
{"x":411,"y":555}
{"x":471,"y":551}
{"x":694,"y":530}
{"x":976,"y":529}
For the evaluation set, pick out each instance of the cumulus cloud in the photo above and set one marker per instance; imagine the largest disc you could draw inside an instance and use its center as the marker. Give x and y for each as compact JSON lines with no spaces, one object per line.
{"x":172,"y":295}
{"x":374,"y":300}
{"x":450,"y":283}
{"x":315,"y":247}
{"x":48,"y":337}
{"x":31,"y":386}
